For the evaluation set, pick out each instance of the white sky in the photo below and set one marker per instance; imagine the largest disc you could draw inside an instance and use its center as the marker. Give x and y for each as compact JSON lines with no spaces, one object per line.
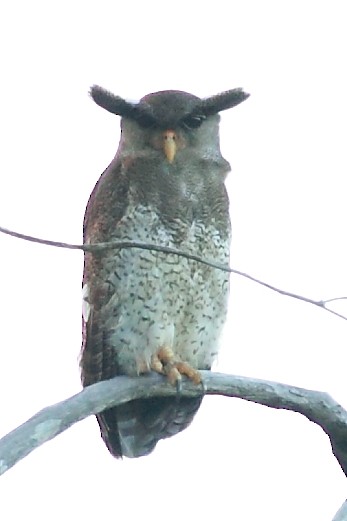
{"x":286,"y":145}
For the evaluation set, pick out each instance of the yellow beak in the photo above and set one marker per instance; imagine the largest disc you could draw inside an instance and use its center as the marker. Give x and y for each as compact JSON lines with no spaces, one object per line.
{"x":169,"y":145}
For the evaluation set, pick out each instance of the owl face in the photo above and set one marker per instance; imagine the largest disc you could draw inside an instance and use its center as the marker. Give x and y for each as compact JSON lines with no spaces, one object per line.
{"x":173,"y":139}
{"x":170,"y":124}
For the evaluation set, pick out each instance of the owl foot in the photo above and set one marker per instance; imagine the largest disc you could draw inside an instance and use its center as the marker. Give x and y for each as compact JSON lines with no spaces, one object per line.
{"x":164,"y":363}
{"x":156,"y":364}
{"x":188,"y":371}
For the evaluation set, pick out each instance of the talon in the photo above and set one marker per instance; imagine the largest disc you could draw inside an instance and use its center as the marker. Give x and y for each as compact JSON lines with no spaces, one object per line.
{"x":179,"y":385}
{"x":203,"y":385}
{"x":173,"y":375}
{"x":164,"y":362}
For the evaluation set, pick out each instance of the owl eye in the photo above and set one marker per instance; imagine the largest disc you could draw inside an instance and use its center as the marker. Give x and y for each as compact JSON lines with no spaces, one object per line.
{"x":191,"y":122}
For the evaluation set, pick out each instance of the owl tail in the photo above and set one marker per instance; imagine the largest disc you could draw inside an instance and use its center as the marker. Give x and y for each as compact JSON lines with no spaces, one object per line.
{"x":134,"y":429}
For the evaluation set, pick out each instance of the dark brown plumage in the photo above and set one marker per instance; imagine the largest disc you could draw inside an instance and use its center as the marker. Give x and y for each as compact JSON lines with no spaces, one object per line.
{"x":148,"y":310}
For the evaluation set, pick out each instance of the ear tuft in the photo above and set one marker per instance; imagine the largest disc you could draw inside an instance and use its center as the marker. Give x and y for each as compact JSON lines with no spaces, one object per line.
{"x":223,"y":101}
{"x":111,"y":102}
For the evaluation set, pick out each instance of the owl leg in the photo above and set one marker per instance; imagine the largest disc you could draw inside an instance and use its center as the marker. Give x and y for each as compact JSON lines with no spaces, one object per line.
{"x":167,"y":364}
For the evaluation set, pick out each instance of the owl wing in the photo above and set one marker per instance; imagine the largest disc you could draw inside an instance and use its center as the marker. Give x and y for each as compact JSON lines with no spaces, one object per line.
{"x":132,"y":429}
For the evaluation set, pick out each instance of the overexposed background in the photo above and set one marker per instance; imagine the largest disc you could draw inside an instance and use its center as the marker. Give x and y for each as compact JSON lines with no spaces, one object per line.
{"x":287,"y":148}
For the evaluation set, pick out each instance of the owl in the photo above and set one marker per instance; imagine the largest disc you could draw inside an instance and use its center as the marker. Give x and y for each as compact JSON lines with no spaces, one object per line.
{"x":147,"y":310}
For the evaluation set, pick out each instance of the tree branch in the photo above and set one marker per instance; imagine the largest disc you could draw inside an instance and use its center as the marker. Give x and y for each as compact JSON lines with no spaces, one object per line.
{"x":317,"y":406}
{"x":341,"y":515}
{"x":97,"y":248}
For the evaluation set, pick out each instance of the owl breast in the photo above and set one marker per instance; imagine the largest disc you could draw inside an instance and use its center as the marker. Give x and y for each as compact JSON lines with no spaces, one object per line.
{"x":153,"y":299}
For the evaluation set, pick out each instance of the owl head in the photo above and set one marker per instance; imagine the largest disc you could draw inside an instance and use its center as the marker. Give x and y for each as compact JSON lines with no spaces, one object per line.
{"x":170,"y":122}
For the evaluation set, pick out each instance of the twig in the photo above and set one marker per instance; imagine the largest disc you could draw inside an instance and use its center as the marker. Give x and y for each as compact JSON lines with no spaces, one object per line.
{"x":166,"y":249}
{"x":316,"y":406}
{"x":40,"y":241}
{"x":335,"y":298}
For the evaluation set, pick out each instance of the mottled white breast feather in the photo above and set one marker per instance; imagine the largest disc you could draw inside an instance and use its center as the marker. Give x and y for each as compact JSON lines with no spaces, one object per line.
{"x":165,"y":300}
